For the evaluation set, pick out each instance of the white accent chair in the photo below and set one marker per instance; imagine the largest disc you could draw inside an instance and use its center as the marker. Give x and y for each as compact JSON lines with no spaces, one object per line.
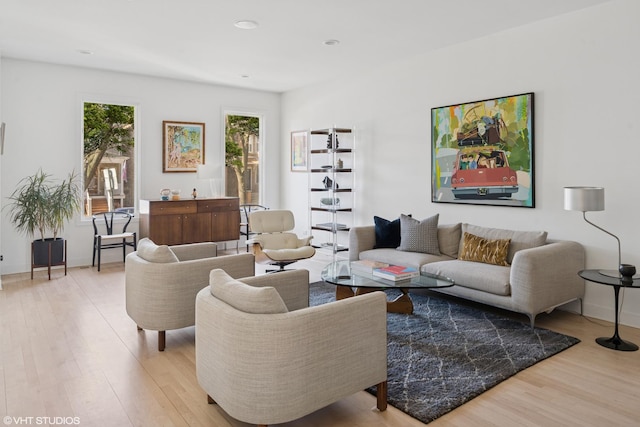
{"x":162,"y":282}
{"x":265,"y":357}
{"x":274,"y":243}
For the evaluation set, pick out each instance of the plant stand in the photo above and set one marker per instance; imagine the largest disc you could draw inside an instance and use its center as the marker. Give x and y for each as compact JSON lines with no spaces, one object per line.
{"x":49,"y":264}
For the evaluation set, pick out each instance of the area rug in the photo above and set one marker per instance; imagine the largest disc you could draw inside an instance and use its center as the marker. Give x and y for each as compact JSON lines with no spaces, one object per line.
{"x":448,"y":352}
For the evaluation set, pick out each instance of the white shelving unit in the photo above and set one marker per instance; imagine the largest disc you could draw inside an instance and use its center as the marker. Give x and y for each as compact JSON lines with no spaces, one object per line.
{"x":331,"y":183}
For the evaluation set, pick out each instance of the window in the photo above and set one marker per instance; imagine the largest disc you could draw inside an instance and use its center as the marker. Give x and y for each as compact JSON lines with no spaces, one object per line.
{"x":242,"y":157}
{"x":108,"y":157}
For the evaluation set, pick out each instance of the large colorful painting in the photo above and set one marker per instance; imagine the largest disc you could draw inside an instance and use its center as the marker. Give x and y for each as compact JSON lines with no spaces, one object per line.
{"x":182,"y":146}
{"x":482,"y":152}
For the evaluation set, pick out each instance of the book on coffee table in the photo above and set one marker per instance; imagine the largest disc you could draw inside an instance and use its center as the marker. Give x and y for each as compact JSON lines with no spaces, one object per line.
{"x":366,"y":265}
{"x":396,"y":272}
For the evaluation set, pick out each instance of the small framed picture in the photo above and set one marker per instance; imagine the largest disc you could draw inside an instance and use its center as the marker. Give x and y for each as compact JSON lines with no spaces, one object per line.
{"x":182,"y":146}
{"x":299,"y":151}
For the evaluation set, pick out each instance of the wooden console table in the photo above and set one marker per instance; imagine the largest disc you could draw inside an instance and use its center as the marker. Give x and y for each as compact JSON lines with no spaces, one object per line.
{"x":190,"y":221}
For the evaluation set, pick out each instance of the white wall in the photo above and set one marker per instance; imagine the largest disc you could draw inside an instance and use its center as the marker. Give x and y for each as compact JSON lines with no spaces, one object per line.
{"x":583,"y":68}
{"x":41,"y":104}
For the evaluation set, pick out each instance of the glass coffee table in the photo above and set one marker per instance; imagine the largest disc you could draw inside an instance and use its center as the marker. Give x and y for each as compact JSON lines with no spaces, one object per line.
{"x":354,"y":282}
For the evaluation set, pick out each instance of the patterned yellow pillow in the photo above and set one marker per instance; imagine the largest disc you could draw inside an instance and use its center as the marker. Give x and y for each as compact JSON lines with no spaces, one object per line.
{"x":479,"y":249}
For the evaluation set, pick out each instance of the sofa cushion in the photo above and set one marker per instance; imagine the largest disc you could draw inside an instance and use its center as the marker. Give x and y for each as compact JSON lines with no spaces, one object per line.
{"x":519,"y":239}
{"x":396,"y":257}
{"x":243,"y":297}
{"x":449,"y":236}
{"x":494,"y":279}
{"x":419,"y":236}
{"x":387,"y":232}
{"x":479,"y":249}
{"x":149,"y":251}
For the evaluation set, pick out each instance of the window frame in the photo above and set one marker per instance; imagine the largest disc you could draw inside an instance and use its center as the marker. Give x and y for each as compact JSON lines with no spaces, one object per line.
{"x":260,"y":143}
{"x":124,"y":101}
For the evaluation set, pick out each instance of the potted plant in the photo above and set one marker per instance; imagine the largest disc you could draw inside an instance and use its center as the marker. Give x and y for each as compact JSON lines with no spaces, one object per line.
{"x":40,"y":207}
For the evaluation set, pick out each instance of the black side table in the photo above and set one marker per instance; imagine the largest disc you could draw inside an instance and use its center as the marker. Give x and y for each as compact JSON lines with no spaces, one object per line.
{"x":597,"y":276}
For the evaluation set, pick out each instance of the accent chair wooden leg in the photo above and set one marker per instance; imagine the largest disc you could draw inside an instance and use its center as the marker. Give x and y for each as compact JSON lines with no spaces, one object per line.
{"x":161,"y":340}
{"x":210,"y":400}
{"x":381,"y":393}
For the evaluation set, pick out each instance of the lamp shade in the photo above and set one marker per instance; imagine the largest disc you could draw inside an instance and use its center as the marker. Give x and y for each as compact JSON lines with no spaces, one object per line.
{"x":584,"y":199}
{"x":208,"y":172}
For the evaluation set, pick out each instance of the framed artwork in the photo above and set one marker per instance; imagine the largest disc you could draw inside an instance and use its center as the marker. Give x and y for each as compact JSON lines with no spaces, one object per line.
{"x":299,"y":151}
{"x":182,"y":146}
{"x":482,"y":152}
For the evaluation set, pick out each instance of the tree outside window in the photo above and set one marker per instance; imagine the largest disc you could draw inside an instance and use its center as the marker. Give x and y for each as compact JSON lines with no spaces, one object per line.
{"x":108,"y":157}
{"x":242,"y":157}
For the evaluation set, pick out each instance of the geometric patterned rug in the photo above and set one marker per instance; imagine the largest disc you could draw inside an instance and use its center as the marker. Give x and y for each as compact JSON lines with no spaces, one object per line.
{"x":446,"y":353}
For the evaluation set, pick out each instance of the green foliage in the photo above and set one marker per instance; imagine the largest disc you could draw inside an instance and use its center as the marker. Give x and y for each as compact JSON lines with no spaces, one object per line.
{"x":39,"y":204}
{"x":106,"y":126}
{"x":237,"y":133}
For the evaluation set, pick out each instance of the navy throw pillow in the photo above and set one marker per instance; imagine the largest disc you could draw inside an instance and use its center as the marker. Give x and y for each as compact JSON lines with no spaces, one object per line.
{"x":387,"y":233}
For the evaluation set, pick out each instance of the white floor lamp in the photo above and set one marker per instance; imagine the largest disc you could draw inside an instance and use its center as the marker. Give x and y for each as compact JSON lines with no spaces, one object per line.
{"x":590,"y":199}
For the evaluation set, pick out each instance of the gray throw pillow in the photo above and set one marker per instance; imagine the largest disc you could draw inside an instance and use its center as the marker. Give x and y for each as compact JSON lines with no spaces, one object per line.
{"x":419,"y":236}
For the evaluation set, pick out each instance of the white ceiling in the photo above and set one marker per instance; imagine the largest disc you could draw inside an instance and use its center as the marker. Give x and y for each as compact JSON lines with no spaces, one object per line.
{"x":196,"y":39}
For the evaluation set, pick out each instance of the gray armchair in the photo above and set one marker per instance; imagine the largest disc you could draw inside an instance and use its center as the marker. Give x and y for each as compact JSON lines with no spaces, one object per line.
{"x":162,"y":282}
{"x":265,"y":357}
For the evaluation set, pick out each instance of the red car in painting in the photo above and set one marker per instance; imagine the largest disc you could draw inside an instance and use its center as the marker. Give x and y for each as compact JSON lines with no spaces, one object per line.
{"x":483,"y":172}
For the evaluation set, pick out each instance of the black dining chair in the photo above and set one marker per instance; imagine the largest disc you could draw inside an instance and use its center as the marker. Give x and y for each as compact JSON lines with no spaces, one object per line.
{"x":108,"y":239}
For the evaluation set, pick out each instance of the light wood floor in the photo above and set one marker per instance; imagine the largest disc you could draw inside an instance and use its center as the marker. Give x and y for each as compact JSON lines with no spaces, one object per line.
{"x":68,"y":349}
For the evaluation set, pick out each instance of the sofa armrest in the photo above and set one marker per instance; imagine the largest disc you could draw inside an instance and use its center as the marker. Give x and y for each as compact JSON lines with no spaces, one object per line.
{"x":361,"y":239}
{"x":292,"y":285}
{"x":547,"y":276}
{"x":195,"y":251}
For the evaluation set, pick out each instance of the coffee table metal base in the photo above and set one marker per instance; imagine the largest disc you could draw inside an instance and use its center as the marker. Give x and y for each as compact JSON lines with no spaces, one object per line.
{"x":402,"y":304}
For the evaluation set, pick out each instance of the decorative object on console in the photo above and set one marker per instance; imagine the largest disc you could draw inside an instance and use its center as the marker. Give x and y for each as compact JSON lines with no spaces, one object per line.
{"x":182,"y":146}
{"x":471,"y":152}
{"x":591,"y":199}
{"x":165,"y":193}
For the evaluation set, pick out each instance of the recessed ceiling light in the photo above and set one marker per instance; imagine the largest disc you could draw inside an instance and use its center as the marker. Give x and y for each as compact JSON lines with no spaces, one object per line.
{"x":331,"y":42}
{"x":246,"y":24}
{"x":85,"y":51}
{"x":244,"y":76}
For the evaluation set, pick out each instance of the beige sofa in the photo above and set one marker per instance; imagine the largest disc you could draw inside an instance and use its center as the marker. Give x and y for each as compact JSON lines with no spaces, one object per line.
{"x":541,"y":274}
{"x":162,"y":281}
{"x":266,"y":357}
